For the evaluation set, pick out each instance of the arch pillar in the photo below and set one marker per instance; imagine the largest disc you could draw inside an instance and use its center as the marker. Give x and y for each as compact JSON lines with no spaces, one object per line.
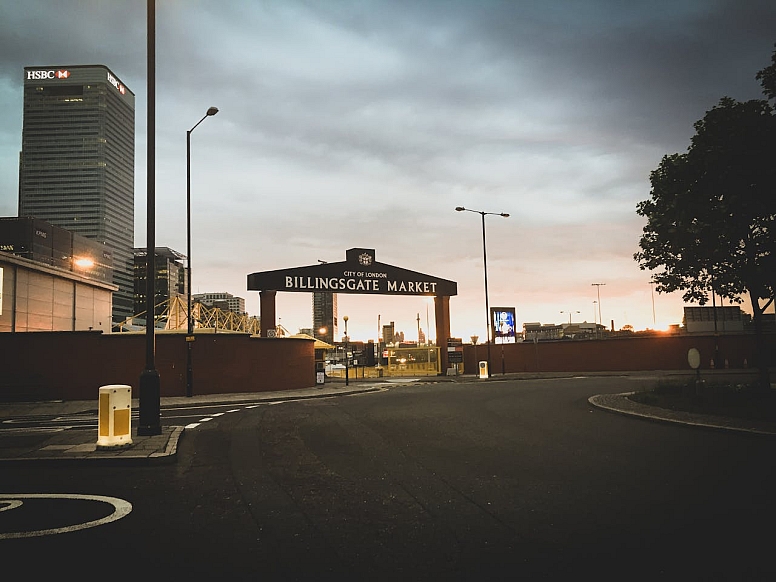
{"x":442,"y":319}
{"x":267,"y":313}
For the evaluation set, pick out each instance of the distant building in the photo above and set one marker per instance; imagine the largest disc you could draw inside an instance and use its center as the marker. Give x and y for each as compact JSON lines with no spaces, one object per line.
{"x":325,"y":317}
{"x":583,"y":330}
{"x":535,"y":331}
{"x":52,"y":279}
{"x":46,"y":244}
{"x":713,"y":319}
{"x":224,"y":301}
{"x":169,"y":279}
{"x":389,"y":333}
{"x":77,"y":163}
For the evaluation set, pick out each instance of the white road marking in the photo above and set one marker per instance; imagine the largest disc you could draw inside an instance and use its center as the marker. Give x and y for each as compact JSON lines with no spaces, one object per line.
{"x":121,"y":508}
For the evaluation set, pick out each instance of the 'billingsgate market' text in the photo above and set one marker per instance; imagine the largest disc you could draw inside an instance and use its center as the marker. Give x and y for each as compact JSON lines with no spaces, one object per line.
{"x":366,"y":284}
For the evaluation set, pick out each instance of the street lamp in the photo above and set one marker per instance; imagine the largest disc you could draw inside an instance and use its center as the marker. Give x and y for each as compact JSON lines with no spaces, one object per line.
{"x":347,"y":374}
{"x":190,"y":331}
{"x":598,"y":286}
{"x":485,"y":268}
{"x":150,"y":385}
{"x":652,"y":286}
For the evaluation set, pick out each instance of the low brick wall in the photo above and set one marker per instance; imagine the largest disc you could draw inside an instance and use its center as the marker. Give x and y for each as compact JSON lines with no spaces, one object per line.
{"x":618,"y":354}
{"x":73,"y":365}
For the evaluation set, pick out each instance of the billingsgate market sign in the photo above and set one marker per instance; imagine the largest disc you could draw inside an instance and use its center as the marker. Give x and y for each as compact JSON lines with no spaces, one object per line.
{"x":359,"y":273}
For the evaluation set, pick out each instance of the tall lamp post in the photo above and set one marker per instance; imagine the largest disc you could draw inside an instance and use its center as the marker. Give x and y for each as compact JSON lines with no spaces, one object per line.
{"x":347,"y":373}
{"x":485,"y":268}
{"x":150,"y":386}
{"x":652,"y":287}
{"x":190,"y":318}
{"x":598,"y":287}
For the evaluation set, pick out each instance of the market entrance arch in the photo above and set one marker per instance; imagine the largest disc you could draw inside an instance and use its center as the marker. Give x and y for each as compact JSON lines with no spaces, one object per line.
{"x":359,"y":273}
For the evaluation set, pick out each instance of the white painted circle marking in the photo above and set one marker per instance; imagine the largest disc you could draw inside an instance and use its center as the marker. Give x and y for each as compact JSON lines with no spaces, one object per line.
{"x":121,"y":509}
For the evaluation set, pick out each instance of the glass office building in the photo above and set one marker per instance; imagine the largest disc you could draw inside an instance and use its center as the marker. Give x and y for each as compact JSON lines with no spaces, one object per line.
{"x":76,"y":167}
{"x":325,"y":317}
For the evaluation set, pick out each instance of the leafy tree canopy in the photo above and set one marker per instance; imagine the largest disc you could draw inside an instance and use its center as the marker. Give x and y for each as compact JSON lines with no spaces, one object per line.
{"x":767,"y":78}
{"x":711,"y":218}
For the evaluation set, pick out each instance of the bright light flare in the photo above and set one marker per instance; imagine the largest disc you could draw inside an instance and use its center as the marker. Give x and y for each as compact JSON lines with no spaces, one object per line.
{"x":83,"y":263}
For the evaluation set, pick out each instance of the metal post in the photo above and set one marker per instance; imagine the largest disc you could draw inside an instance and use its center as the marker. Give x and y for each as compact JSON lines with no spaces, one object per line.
{"x":347,"y":373}
{"x":487,"y":306}
{"x":488,"y":327}
{"x":654,"y":319}
{"x":189,"y":318}
{"x":190,"y":315}
{"x":150,"y":390}
{"x":598,"y":287}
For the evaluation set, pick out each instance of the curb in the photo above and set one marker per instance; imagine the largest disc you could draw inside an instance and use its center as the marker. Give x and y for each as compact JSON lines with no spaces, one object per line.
{"x":621,"y":404}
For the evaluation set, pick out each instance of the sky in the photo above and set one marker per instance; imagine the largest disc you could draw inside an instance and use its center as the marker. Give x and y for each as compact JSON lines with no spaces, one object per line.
{"x":365,"y":123}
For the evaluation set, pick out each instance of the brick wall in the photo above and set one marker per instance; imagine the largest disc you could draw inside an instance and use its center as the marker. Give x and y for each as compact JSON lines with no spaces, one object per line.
{"x":73,"y":365}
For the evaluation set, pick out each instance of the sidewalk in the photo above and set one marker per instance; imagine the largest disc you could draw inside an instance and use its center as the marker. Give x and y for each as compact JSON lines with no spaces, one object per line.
{"x":81,"y":444}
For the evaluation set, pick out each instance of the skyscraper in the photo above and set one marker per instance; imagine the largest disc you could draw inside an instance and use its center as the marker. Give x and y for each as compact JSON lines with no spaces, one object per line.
{"x":325,"y":316}
{"x":169,"y":279}
{"x":77,"y":164}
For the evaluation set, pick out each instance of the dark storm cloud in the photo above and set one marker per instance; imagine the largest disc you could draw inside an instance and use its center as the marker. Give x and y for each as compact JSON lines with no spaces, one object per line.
{"x":416,"y":84}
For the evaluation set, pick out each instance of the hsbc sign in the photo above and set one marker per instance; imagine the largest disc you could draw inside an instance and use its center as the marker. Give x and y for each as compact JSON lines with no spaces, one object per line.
{"x":115,"y":82}
{"x":39,"y":75}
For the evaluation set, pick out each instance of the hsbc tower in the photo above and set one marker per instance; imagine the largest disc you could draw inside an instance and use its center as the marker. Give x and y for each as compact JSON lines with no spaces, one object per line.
{"x":77,"y":164}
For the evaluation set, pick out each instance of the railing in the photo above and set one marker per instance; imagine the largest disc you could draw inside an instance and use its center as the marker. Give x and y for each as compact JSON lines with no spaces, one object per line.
{"x":173,"y":315}
{"x":402,"y":362}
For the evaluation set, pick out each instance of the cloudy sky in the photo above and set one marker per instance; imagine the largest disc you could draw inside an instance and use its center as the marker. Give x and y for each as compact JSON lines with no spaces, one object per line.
{"x":358,"y":123}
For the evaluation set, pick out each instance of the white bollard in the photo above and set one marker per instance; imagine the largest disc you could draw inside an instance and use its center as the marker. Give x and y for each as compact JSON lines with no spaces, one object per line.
{"x":114,"y":426}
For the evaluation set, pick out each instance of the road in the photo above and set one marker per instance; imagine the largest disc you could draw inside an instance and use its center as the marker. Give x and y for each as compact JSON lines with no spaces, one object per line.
{"x":450,"y":481}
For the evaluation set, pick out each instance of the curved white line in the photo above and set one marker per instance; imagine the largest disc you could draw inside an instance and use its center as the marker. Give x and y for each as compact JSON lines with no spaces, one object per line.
{"x":121,"y":509}
{"x":11,"y":504}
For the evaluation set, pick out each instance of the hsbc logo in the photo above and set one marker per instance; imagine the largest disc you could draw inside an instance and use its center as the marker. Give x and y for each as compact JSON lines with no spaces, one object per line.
{"x":115,"y":82}
{"x":41,"y":75}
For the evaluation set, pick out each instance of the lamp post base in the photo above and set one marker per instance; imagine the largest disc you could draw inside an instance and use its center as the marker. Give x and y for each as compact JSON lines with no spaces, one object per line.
{"x":148,"y":424}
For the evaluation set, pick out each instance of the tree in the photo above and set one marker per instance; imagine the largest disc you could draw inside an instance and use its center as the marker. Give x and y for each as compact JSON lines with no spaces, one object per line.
{"x":767,"y":78}
{"x":711,"y":218}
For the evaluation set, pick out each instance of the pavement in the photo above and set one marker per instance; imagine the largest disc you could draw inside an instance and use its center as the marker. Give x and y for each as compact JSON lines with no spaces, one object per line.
{"x":67,"y":446}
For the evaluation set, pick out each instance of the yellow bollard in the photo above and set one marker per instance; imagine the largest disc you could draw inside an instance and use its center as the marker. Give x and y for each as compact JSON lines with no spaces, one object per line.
{"x":114,"y":425}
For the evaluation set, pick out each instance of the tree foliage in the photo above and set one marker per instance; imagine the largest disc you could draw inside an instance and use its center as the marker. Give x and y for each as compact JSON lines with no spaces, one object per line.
{"x":711,"y":217}
{"x":767,"y":78}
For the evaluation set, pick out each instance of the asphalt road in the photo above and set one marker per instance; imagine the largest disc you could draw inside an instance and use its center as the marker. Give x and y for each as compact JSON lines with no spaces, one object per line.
{"x":450,"y":481}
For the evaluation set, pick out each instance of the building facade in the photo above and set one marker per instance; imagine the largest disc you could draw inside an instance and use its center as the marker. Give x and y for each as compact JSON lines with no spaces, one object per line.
{"x":46,"y":244}
{"x":224,"y":301}
{"x":76,"y":167}
{"x":37,"y":296}
{"x":704,"y":319}
{"x":169,"y":279}
{"x":325,"y":317}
